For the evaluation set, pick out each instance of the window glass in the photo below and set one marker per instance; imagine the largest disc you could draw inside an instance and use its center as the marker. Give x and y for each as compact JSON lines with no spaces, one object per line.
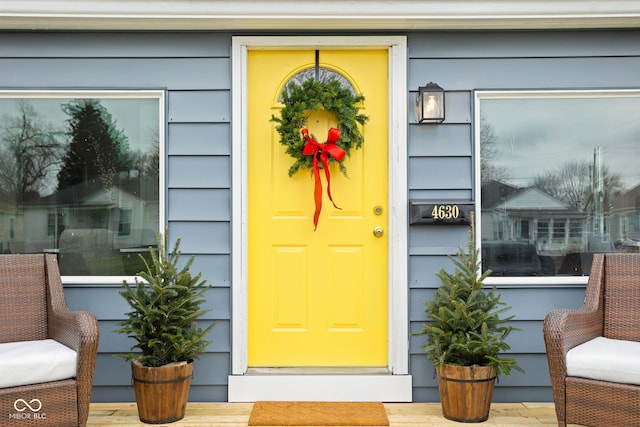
{"x":323,"y":75}
{"x":560,"y":180}
{"x":79,"y":177}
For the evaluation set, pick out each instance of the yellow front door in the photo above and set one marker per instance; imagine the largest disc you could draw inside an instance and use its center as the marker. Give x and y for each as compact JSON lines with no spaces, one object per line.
{"x":317,"y":298}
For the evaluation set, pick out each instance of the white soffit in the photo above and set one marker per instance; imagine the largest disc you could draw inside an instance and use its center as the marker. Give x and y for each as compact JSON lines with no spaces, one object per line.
{"x":316,"y":15}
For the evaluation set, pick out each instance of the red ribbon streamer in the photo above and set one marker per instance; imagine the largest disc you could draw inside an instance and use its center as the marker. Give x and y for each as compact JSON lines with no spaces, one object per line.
{"x":313,"y":147}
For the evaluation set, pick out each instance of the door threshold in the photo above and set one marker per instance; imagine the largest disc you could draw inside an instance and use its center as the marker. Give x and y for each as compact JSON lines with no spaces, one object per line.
{"x":320,"y":386}
{"x":319,"y":370}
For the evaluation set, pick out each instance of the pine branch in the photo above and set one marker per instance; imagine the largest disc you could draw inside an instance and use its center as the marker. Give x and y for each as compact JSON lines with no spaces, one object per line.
{"x":466,"y":324}
{"x":165,"y":306}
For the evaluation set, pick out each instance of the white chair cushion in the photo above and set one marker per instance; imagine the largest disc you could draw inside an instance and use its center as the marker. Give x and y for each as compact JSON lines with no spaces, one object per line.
{"x":606,"y":360}
{"x":33,"y":362}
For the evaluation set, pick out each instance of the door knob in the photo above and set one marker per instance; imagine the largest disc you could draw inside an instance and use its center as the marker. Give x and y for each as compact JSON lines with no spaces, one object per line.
{"x":378,"y":231}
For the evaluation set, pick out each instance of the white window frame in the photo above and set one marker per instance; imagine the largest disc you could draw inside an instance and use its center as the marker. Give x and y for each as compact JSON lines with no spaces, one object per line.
{"x":158,"y":94}
{"x":529,"y":94}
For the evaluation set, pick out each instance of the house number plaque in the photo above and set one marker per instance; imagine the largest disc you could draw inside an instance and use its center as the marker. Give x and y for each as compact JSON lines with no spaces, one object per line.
{"x":440,"y":212}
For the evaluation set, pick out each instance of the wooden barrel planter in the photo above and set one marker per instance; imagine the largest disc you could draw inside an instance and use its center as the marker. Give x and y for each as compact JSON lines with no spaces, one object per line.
{"x":162,"y":393}
{"x":466,"y":392}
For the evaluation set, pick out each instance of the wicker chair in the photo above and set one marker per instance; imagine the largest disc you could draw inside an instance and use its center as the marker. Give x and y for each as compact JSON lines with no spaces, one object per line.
{"x":33,"y":307}
{"x":611,"y":309}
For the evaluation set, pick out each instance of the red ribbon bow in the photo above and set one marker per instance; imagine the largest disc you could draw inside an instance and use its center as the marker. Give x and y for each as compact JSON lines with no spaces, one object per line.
{"x":313,"y":147}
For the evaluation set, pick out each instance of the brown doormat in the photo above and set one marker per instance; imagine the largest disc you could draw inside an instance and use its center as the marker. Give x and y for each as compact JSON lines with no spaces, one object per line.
{"x":318,"y":414}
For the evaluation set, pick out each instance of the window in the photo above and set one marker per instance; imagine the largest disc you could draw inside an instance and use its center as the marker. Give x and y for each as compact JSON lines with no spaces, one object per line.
{"x":80,"y":177}
{"x":560,"y":176}
{"x":124,"y":227}
{"x":321,"y":74}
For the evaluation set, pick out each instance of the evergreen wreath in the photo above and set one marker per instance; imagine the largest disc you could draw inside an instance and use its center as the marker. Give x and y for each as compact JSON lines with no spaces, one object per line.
{"x":317,"y":95}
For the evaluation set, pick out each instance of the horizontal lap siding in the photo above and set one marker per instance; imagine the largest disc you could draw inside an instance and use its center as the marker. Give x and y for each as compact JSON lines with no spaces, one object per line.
{"x":441,"y":166}
{"x":195,"y":70}
{"x":204,"y":139}
{"x":121,"y":73}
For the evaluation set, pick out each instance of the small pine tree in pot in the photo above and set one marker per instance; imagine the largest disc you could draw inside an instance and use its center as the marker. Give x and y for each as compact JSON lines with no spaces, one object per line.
{"x":466,"y":333}
{"x":165,"y":305}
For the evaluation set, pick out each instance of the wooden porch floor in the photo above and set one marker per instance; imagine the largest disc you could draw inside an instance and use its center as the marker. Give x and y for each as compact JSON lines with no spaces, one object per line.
{"x":221,"y":414}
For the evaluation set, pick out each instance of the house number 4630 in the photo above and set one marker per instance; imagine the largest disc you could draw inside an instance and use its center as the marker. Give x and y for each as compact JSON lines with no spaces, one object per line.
{"x":445,"y":212}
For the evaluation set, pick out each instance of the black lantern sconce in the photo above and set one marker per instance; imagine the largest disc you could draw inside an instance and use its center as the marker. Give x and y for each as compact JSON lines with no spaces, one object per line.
{"x":430,"y":104}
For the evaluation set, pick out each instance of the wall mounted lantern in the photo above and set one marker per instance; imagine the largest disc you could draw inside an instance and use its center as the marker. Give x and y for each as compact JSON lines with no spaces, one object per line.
{"x":430,"y":104}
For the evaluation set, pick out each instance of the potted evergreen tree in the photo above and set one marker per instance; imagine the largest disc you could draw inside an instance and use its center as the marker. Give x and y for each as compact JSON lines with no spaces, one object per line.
{"x":465,"y":335}
{"x":165,"y":305}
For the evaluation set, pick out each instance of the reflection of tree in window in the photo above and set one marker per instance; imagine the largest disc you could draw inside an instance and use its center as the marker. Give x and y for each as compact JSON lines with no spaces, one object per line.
{"x":75,"y":182}
{"x":97,"y":148}
{"x":150,"y":161}
{"x":572,"y":183}
{"x":29,"y":147}
{"x":489,"y":153}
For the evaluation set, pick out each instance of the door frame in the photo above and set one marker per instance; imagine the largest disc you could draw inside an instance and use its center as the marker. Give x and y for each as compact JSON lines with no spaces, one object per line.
{"x":244,"y":387}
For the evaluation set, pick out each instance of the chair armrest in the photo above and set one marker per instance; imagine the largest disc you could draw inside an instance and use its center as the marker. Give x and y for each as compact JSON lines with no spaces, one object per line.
{"x":75,"y":329}
{"x":563,"y":330}
{"x":78,"y":330}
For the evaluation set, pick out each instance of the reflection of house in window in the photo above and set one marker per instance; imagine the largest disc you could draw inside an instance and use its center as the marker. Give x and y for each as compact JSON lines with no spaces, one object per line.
{"x":533,"y":216}
{"x":575,"y":229}
{"x":124,"y":225}
{"x":624,"y":218}
{"x":523,"y":232}
{"x":568,"y":185}
{"x":89,"y":205}
{"x":494,"y":195}
{"x":509,"y":213}
{"x":94,"y":226}
{"x":559,"y":232}
{"x":55,"y":223}
{"x":542,"y":233}
{"x":11,"y":220}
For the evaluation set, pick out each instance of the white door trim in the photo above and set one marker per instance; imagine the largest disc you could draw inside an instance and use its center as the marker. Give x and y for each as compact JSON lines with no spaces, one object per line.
{"x":243,"y":387}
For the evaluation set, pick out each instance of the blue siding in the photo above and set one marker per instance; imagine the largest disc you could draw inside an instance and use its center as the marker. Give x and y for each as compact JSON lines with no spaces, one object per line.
{"x":200,"y":106}
{"x":195,"y":204}
{"x":204,"y":139}
{"x":441,"y":159}
{"x":109,"y":72}
{"x":453,"y":141}
{"x":198,"y":172}
{"x":136,"y":45}
{"x":195,"y":70}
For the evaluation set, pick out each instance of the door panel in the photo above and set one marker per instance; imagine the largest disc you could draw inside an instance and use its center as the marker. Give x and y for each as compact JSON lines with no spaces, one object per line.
{"x":317,"y":298}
